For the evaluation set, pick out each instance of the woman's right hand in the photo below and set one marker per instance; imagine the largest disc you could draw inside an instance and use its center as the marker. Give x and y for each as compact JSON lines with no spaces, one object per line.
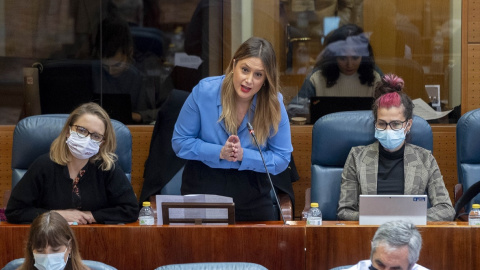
{"x":73,"y":215}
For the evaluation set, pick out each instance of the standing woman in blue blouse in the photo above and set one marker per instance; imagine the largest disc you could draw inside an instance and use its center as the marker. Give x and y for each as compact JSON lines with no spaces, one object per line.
{"x":211,"y":132}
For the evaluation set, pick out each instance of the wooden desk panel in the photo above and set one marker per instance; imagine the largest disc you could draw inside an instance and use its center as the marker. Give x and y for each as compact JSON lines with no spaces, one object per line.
{"x":130,"y":246}
{"x":445,"y":245}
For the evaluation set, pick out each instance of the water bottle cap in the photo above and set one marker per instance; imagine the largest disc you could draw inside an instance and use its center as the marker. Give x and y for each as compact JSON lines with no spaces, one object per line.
{"x":476,"y":205}
{"x":146,"y":204}
{"x":314,"y":204}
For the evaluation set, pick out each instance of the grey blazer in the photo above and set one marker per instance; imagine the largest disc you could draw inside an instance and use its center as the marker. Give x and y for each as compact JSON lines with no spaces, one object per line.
{"x":422,"y":175}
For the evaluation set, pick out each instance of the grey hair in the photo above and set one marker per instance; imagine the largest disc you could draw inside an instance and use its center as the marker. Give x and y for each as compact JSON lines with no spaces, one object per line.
{"x":397,"y":234}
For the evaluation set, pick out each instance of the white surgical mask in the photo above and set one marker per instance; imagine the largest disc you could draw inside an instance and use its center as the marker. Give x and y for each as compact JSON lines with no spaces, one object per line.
{"x":390,"y":139}
{"x":53,"y":261}
{"x":82,"y":147}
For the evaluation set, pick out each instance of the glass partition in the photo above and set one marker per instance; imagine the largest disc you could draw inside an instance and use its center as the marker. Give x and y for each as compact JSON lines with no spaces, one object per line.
{"x":128,"y":55}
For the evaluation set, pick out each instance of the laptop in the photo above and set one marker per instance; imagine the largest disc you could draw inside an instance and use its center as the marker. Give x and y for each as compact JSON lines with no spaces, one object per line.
{"x":378,"y":209}
{"x":118,"y":106}
{"x":320,"y":106}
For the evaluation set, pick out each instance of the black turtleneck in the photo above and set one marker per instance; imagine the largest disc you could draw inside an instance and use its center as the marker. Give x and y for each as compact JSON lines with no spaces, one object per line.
{"x":390,"y":172}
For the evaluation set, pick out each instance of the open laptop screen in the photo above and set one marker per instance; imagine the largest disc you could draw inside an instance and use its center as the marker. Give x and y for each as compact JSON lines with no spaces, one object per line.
{"x":118,"y":106}
{"x":320,"y":106}
{"x":378,"y":209}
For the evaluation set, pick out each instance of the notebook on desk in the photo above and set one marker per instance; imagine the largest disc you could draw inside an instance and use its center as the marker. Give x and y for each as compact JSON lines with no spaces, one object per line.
{"x":320,"y":106}
{"x":378,"y":209}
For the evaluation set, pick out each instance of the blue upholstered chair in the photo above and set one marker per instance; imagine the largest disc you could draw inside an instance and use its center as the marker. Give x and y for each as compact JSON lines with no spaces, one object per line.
{"x":93,"y":265}
{"x":213,"y":266}
{"x":468,"y":155}
{"x":148,"y":39}
{"x":33,"y":135}
{"x":333,"y":136}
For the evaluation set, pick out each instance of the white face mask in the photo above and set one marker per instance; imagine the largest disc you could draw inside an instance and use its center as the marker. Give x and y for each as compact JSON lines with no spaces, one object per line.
{"x":53,"y":261}
{"x":82,"y":147}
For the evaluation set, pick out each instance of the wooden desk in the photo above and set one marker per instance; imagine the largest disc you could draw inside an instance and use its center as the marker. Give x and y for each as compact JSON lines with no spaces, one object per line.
{"x":131,"y":246}
{"x":271,"y":244}
{"x":445,"y":245}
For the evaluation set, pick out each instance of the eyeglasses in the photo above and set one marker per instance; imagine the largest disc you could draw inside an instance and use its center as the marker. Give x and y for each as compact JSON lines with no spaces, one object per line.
{"x":115,"y":67}
{"x":394,"y":125}
{"x":83,"y":132}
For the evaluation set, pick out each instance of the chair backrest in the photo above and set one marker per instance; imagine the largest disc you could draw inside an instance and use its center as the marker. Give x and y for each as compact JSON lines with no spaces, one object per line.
{"x":93,"y":265}
{"x":148,"y":39}
{"x":213,"y":266}
{"x":13,"y":264}
{"x":468,"y":152}
{"x":333,"y":136}
{"x":33,"y":136}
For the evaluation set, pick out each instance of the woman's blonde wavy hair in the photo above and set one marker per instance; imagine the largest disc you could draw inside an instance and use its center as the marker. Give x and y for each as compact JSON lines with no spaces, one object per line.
{"x":59,"y":151}
{"x":267,"y":113}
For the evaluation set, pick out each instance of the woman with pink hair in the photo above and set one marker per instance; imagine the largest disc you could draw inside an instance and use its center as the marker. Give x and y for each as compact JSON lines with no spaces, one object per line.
{"x":399,"y":167}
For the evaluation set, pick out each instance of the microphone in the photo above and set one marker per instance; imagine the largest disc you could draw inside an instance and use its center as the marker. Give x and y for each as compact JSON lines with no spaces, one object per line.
{"x":252,"y":132}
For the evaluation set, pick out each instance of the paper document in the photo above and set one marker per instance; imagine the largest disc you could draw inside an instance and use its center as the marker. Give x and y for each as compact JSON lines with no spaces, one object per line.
{"x":188,"y":61}
{"x":424,"y":110}
{"x":203,"y":213}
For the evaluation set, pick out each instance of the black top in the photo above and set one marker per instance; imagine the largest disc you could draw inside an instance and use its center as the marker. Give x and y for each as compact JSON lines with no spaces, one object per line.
{"x":48,"y":186}
{"x":390,"y":172}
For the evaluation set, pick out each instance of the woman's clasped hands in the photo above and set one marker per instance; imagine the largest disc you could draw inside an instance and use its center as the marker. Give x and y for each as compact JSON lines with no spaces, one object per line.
{"x":74,"y":215}
{"x":232,"y":150}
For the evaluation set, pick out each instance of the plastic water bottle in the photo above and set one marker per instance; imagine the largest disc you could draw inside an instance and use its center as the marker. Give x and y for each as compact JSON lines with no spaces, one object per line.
{"x":146,"y":215}
{"x":314,"y":215}
{"x":178,"y":39}
{"x":474,"y":215}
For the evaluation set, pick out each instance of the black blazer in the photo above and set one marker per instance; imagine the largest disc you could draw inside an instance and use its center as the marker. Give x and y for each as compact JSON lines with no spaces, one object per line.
{"x":162,"y":163}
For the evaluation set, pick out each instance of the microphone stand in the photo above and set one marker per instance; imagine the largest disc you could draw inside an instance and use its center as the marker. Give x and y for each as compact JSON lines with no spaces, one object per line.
{"x":250,"y":129}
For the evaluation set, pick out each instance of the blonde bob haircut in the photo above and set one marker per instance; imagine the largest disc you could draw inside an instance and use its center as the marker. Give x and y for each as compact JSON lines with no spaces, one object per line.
{"x":267,"y":113}
{"x":51,"y":229}
{"x":59,"y":151}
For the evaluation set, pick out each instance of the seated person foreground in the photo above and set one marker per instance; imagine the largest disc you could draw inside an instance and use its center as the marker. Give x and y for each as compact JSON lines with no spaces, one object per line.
{"x":79,"y":177}
{"x":391,"y":165}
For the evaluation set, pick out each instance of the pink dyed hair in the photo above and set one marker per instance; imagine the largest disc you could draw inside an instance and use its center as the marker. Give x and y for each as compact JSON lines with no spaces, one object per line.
{"x":391,"y":98}
{"x":389,"y":93}
{"x":394,"y":81}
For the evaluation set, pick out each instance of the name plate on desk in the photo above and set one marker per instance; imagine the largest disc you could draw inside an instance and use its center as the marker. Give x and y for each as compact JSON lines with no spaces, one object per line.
{"x":193,"y":213}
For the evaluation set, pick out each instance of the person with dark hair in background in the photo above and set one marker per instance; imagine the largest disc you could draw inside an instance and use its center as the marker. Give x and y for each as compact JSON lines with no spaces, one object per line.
{"x":114,"y":45}
{"x":52,"y":245}
{"x":395,"y":245}
{"x":391,"y":165}
{"x":346,"y":67}
{"x":211,"y":132}
{"x":79,"y":178}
